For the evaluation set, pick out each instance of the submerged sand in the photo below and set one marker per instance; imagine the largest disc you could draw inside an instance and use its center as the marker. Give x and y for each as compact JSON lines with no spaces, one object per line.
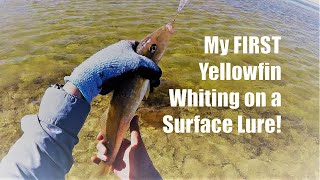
{"x":42,"y":42}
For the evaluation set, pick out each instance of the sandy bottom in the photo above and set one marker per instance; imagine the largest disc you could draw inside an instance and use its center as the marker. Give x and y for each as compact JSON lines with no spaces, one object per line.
{"x":43,"y":41}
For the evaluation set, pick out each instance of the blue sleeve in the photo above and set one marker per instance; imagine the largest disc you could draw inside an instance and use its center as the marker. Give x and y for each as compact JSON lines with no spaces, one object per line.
{"x":45,"y":148}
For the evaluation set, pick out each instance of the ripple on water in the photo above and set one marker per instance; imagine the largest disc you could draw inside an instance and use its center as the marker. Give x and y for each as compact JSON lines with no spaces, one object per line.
{"x":42,"y":41}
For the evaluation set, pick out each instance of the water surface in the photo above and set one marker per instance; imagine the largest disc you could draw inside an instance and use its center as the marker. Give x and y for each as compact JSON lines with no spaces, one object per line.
{"x":42,"y":41}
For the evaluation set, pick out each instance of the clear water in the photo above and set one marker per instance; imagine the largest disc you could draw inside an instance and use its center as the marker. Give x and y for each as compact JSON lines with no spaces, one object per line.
{"x":42,"y":41}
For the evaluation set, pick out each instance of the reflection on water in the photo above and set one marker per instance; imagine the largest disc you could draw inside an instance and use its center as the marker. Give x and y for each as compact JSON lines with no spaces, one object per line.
{"x":41,"y":41}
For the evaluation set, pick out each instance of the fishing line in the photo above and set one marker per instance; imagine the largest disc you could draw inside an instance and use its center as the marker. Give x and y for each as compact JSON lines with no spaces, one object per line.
{"x":182,"y":4}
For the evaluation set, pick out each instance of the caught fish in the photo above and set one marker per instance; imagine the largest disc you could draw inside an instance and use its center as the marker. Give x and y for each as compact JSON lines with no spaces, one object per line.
{"x":126,"y":99}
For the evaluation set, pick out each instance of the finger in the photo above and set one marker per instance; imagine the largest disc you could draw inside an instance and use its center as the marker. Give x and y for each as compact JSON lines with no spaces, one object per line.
{"x":134,"y":43}
{"x":101,"y":147}
{"x":102,"y":157}
{"x":100,"y":136}
{"x":119,"y":163}
{"x":135,"y":132}
{"x":148,"y":69}
{"x":154,"y":84}
{"x":95,"y":160}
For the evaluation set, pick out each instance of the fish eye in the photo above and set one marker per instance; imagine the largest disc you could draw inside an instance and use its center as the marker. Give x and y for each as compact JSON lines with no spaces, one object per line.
{"x":153,"y":48}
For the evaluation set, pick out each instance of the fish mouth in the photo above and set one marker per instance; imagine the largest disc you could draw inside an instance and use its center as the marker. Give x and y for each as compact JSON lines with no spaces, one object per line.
{"x":170,"y":28}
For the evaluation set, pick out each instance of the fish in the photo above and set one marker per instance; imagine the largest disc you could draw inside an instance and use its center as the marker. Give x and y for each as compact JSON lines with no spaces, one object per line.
{"x":126,"y":98}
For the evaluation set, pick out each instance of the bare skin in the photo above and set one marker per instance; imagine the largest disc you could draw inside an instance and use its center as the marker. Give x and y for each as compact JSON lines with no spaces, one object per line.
{"x":132,"y":161}
{"x":72,"y":89}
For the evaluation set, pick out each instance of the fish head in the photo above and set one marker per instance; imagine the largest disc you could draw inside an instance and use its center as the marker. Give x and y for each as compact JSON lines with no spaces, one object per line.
{"x":154,"y":45}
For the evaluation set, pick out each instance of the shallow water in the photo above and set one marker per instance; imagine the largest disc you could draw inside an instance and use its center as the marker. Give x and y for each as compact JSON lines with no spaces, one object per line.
{"x":42,"y":41}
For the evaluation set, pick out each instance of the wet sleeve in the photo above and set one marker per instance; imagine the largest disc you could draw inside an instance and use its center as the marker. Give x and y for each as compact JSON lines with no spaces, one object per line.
{"x":44,"y":151}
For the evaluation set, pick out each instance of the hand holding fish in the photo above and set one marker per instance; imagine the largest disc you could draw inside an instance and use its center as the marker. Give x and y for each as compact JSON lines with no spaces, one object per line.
{"x":103,"y":71}
{"x":132,"y":161}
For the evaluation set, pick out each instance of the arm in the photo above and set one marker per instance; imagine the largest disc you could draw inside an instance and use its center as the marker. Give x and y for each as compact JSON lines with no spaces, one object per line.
{"x":45,"y":148}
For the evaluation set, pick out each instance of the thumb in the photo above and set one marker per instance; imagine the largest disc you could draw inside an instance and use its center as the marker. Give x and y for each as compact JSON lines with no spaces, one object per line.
{"x":148,"y":69}
{"x":134,"y":131}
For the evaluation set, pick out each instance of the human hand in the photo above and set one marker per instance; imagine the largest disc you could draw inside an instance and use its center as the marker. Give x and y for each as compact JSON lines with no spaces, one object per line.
{"x":132,"y":161}
{"x":103,"y":71}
